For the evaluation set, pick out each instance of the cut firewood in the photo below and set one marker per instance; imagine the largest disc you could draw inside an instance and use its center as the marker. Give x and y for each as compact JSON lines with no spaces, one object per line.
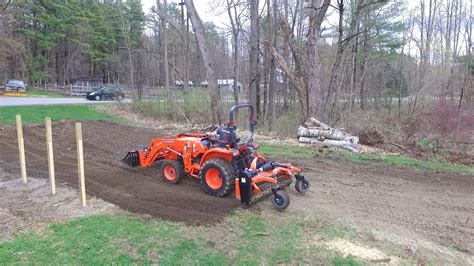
{"x":328,"y":133}
{"x":315,"y":132}
{"x":349,"y":144}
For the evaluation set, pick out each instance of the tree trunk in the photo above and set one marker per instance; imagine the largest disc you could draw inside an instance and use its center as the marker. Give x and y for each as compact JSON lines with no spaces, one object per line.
{"x":235,"y":23}
{"x":363,"y":92}
{"x":273,"y":83}
{"x":158,"y":44}
{"x":254,"y":55}
{"x":235,"y":68}
{"x":266,"y":61}
{"x":204,"y":50}
{"x":184,"y":60}
{"x":337,"y":61}
{"x":313,"y":65}
{"x":164,"y":18}
{"x":286,"y":56}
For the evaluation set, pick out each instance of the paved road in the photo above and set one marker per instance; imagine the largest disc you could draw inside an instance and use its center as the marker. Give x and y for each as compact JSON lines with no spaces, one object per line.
{"x":20,"y":101}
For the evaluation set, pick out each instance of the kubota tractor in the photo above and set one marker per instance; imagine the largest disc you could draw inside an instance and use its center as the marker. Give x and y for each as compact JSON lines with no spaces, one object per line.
{"x":221,"y":162}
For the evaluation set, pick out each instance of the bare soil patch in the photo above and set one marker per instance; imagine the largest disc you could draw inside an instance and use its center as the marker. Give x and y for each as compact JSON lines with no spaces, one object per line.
{"x":416,"y":208}
{"x":105,"y":144}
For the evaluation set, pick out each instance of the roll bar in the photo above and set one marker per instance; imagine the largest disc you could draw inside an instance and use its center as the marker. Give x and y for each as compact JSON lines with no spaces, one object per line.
{"x":252,"y":118}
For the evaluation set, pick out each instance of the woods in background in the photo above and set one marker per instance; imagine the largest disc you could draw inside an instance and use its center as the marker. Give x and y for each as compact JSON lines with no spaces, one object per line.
{"x":321,"y":58}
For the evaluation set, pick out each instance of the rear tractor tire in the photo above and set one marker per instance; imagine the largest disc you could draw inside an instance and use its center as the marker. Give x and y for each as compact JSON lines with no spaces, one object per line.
{"x":171,"y":171}
{"x":217,"y":177}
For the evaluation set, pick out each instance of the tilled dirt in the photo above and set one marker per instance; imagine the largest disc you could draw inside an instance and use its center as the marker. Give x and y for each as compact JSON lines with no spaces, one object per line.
{"x":105,"y":144}
{"x":413,"y":207}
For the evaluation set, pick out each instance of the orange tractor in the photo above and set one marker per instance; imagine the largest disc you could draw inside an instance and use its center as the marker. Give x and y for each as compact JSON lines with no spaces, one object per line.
{"x":221,"y":162}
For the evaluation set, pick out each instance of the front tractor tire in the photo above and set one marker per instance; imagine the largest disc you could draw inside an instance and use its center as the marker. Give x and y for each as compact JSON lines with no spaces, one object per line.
{"x":171,"y":171}
{"x":217,"y":177}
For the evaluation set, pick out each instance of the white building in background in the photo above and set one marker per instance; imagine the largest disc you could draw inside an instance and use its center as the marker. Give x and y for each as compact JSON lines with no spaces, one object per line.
{"x":179,"y":83}
{"x":225,"y":84}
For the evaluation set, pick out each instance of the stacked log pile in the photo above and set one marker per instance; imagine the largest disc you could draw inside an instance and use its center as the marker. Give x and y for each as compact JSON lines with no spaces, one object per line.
{"x":315,"y":132}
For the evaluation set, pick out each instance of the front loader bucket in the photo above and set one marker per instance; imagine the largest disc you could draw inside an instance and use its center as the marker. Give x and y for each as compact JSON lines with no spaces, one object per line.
{"x":132,"y":159}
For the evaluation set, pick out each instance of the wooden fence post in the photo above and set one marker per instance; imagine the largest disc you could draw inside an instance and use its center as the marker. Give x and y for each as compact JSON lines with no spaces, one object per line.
{"x":21,"y":148}
{"x":80,"y":165}
{"x":49,"y":144}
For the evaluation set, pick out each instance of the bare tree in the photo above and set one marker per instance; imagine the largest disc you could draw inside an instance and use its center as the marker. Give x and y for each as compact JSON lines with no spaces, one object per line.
{"x":272,"y":84}
{"x":468,"y":79}
{"x":125,"y":34}
{"x":210,"y":73}
{"x":185,"y":50}
{"x":306,"y":76}
{"x":236,"y":24}
{"x":254,"y":74}
{"x":164,"y":31}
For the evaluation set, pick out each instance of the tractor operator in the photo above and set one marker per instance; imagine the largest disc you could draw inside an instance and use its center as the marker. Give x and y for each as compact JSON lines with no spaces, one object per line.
{"x":224,"y":135}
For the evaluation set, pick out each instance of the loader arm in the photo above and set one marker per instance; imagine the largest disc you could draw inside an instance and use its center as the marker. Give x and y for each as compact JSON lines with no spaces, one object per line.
{"x":159,"y":148}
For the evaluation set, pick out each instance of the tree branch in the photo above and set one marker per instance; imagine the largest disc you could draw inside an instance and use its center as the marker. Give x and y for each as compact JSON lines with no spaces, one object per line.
{"x":6,"y":5}
{"x":294,"y":47}
{"x":293,"y":77}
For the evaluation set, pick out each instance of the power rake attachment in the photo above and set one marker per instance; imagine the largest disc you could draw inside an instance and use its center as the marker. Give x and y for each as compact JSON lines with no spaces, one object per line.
{"x":221,"y":162}
{"x":270,"y":178}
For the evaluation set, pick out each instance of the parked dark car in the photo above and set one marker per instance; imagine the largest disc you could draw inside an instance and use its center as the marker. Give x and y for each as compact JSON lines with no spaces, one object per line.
{"x":15,"y":85}
{"x":106,"y":93}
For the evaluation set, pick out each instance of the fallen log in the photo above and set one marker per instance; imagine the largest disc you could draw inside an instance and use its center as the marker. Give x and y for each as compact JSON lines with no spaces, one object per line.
{"x":349,"y":144}
{"x":313,"y":122}
{"x":328,"y":133}
{"x":314,"y":131}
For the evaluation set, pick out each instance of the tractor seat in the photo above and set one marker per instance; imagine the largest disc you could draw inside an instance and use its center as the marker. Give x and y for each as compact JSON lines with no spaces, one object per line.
{"x":251,"y":145}
{"x":254,"y":145}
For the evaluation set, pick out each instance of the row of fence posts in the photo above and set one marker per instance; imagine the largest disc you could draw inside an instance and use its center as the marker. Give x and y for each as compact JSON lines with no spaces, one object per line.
{"x":49,"y":144}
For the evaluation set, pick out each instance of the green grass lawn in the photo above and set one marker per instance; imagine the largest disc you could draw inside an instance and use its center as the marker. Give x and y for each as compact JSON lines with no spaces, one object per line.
{"x":286,"y":151}
{"x":35,"y":92}
{"x":308,"y":152}
{"x":246,"y":239}
{"x":36,"y":114}
{"x":405,"y":161}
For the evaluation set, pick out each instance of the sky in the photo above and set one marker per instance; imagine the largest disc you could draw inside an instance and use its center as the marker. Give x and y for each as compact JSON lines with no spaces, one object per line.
{"x":211,"y":11}
{"x":208,"y":10}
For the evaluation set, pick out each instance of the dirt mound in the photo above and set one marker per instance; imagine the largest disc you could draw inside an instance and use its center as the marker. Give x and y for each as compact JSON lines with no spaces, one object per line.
{"x":135,"y":190}
{"x":370,"y":137}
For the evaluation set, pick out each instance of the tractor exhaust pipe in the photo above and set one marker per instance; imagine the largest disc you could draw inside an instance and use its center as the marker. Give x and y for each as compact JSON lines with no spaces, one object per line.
{"x":132,"y":159}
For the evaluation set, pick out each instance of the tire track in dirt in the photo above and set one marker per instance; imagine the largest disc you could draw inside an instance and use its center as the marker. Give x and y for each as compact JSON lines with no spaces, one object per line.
{"x":414,"y":204}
